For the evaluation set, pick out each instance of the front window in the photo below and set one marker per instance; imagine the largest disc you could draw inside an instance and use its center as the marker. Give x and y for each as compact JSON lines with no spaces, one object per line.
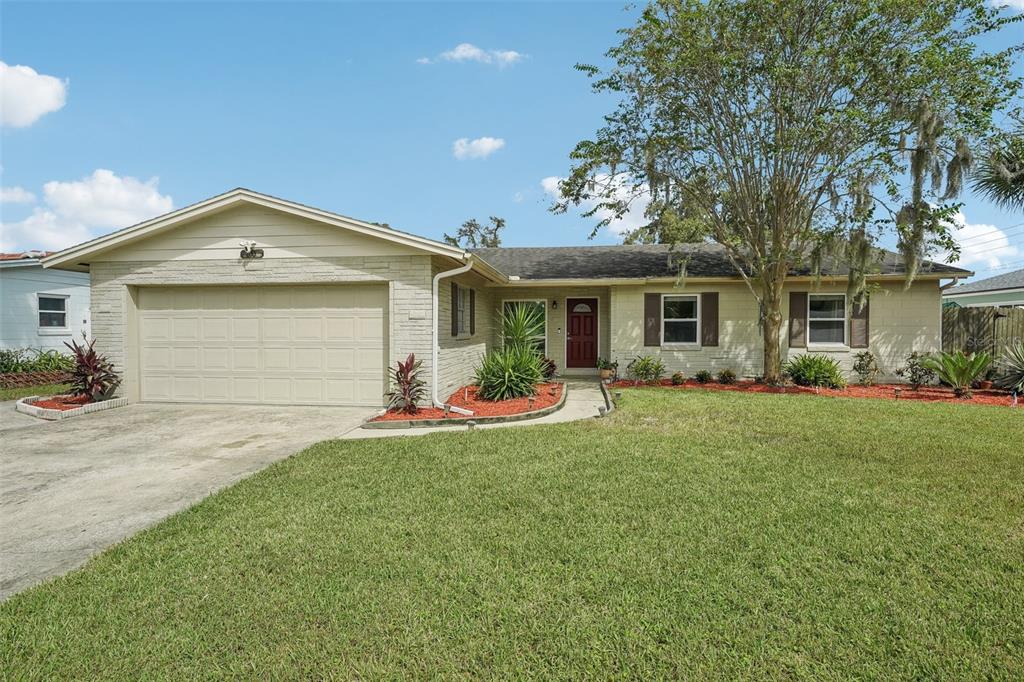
{"x":679,"y":316}
{"x":53,"y":312}
{"x":462,"y":310}
{"x":539,"y":309}
{"x":826,"y":319}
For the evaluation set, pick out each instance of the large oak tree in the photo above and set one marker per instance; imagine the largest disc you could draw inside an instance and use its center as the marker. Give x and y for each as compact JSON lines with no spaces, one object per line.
{"x":791,"y":131}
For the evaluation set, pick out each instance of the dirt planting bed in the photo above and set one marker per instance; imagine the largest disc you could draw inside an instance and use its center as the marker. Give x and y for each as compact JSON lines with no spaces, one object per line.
{"x":879,"y":391}
{"x":548,"y":395}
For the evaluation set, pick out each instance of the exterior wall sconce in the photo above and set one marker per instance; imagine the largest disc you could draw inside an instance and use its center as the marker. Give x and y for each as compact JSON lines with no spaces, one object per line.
{"x":249,"y":250}
{"x":554,"y":305}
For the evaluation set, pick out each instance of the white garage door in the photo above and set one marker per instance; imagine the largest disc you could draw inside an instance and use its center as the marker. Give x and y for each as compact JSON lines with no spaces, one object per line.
{"x":317,"y":345}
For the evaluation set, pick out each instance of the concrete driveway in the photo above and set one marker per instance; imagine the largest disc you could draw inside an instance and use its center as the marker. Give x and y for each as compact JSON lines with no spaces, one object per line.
{"x":70,"y":489}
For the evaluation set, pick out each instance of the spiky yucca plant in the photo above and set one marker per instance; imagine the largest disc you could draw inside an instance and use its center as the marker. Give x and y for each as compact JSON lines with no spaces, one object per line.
{"x":959,"y":370}
{"x":93,"y":374}
{"x":509,"y":372}
{"x":407,"y":388}
{"x":1011,"y":369}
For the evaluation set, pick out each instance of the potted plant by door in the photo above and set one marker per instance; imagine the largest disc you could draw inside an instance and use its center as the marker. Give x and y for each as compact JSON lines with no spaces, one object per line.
{"x":607,"y":368}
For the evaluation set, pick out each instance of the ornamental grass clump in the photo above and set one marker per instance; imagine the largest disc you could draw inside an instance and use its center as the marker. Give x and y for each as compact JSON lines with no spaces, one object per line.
{"x":727,"y":376}
{"x":93,"y":374}
{"x":510,"y":372}
{"x":959,"y":370}
{"x":819,"y":371}
{"x":646,"y":369}
{"x":408,"y":389}
{"x":1010,"y":372}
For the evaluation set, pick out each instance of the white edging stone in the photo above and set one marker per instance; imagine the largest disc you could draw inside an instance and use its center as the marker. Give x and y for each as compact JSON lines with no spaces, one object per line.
{"x":25,"y":407}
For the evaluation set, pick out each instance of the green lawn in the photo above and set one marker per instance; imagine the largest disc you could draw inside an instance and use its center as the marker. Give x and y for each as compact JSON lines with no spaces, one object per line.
{"x":45,"y":389}
{"x":691,"y":534}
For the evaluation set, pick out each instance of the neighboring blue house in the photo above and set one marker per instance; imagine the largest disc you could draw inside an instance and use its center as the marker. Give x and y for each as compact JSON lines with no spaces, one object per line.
{"x":40,"y":308}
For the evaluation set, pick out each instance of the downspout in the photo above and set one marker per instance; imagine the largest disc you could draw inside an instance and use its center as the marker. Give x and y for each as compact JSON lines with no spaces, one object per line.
{"x":434,"y":343}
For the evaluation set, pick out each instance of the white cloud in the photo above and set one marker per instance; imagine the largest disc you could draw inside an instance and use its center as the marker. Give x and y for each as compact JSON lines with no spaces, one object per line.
{"x":1012,"y":4}
{"x":25,"y":95}
{"x":79,"y":210}
{"x":16,"y":195}
{"x":468,"y":52}
{"x":480,"y":148}
{"x":632,"y":219}
{"x":980,"y":244}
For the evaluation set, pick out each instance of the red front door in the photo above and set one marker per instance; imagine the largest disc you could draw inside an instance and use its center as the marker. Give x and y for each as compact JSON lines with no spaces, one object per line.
{"x":581,"y":342}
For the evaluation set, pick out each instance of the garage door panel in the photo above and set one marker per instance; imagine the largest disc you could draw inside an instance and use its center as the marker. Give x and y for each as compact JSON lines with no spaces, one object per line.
{"x":245,"y":389}
{"x":216,"y":330}
{"x":185,"y":359}
{"x":289,"y":344}
{"x":215,"y":359}
{"x":339,"y":329}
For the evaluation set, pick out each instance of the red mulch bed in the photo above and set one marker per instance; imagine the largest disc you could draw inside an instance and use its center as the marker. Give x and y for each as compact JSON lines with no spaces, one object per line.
{"x":547,"y":395}
{"x":881,"y":391}
{"x":62,"y":402}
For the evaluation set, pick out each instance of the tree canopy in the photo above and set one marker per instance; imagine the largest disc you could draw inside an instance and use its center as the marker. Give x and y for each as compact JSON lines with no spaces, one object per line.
{"x":472,"y":235}
{"x":790,"y":131}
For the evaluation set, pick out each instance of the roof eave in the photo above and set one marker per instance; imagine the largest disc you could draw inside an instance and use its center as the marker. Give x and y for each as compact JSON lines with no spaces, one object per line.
{"x":82,"y":253}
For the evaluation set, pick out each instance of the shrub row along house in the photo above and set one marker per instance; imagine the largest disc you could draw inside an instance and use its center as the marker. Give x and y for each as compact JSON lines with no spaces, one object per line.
{"x":249,"y":298}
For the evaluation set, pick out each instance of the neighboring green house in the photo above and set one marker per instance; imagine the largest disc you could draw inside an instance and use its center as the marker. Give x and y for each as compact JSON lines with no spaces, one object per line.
{"x":1002,"y":290}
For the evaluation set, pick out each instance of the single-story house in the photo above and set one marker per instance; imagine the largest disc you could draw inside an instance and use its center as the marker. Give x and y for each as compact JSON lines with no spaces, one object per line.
{"x":247,"y":298}
{"x":40,"y":308}
{"x":1006,"y":290}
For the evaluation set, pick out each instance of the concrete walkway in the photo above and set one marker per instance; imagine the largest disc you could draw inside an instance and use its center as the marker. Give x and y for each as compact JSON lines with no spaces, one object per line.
{"x":582,"y":402}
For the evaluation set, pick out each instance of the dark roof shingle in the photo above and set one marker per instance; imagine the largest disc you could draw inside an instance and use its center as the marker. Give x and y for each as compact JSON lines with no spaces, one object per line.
{"x":628,"y":261}
{"x":1009,"y":280}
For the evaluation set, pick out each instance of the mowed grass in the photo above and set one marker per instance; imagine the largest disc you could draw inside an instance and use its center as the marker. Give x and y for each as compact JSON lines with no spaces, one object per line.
{"x":691,"y":534}
{"x":24,"y":392}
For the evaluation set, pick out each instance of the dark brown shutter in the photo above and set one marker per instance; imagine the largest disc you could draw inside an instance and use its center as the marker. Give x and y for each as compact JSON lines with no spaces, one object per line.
{"x":798,"y":319}
{"x":472,"y":312}
{"x":860,"y":330}
{"x":709,"y":318}
{"x":455,"y":309}
{"x":652,"y":319}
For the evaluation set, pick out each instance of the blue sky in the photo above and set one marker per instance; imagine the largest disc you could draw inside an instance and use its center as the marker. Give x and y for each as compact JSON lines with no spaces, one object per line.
{"x":152,"y":106}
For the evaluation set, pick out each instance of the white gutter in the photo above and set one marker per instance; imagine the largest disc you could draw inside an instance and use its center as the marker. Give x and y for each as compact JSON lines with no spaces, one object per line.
{"x":434,"y":344}
{"x":943,"y":287}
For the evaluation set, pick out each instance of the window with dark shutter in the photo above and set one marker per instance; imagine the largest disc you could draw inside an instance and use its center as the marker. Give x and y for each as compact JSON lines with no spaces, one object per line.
{"x":860,"y":329}
{"x":455,"y":309}
{"x":798,"y":319}
{"x":709,"y":318}
{"x":652,"y":319}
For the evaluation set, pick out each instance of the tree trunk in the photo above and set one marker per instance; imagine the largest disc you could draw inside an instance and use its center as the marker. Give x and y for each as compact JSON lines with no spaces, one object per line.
{"x":771,"y":327}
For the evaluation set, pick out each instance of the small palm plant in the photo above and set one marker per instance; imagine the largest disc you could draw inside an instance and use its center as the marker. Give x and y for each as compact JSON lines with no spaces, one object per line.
{"x":93,"y":374}
{"x":407,"y":388}
{"x":959,"y":370}
{"x":1011,"y":369}
{"x":521,"y":324}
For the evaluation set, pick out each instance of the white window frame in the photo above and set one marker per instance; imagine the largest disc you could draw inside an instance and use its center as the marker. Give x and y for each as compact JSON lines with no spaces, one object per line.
{"x":845,"y":321}
{"x":462,"y":310}
{"x":66,"y":329}
{"x":680,"y":344}
{"x":544,"y":304}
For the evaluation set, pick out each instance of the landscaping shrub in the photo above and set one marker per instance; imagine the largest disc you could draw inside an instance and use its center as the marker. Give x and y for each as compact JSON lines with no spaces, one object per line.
{"x":509,"y":372}
{"x":93,"y":374}
{"x":703,"y":376}
{"x":959,"y":370}
{"x":646,"y":369}
{"x":521,"y":325}
{"x":548,"y":367}
{"x":1010,"y":371}
{"x":866,"y":367}
{"x":727,"y":376}
{"x":407,"y":388}
{"x":815,"y":370}
{"x":15,"y":360}
{"x":916,"y":371}
{"x":678,"y":379}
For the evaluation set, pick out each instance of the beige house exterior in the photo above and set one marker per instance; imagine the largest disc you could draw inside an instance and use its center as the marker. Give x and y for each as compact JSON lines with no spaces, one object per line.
{"x":247,"y":298}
